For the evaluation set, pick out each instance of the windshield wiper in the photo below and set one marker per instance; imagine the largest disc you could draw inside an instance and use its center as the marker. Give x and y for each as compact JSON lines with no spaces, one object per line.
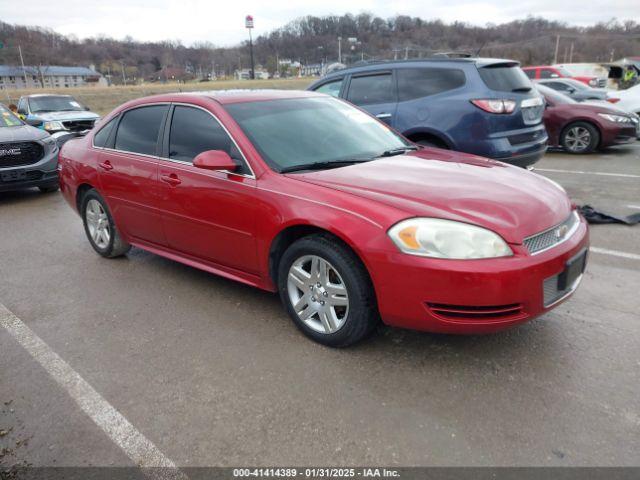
{"x":397,"y":151}
{"x":323,"y":165}
{"x":521,"y":89}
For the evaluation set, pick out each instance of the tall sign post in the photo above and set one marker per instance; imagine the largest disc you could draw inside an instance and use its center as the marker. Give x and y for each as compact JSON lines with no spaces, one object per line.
{"x":248,"y":23}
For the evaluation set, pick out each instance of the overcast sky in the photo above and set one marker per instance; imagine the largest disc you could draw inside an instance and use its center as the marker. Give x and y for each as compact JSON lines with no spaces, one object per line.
{"x":222,"y":22}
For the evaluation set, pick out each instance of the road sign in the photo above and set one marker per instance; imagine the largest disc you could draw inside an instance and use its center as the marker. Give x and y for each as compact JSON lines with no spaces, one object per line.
{"x":248,"y":21}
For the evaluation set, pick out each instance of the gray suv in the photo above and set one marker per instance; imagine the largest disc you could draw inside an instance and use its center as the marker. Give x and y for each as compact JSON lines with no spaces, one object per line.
{"x":28,"y":155}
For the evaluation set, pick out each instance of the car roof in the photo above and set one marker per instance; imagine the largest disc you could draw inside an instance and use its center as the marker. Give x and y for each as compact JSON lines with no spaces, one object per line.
{"x":34,"y":95}
{"x":375,"y":65}
{"x":226,"y":97}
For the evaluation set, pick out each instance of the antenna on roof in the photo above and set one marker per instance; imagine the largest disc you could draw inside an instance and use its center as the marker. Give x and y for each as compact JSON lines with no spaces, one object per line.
{"x":481,"y":47}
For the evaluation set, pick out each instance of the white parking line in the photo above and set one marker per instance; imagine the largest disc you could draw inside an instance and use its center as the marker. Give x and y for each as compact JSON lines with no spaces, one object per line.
{"x":604,"y":174}
{"x":134,"y":444}
{"x":615,"y":253}
{"x":637,"y":207}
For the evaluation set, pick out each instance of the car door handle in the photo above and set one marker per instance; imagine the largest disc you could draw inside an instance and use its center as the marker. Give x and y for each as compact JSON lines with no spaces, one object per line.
{"x":383,"y":115}
{"x":171,"y":179}
{"x":106,"y":165}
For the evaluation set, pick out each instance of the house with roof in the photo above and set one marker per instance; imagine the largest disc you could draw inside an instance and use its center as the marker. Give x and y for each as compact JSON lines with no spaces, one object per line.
{"x":49,"y":77}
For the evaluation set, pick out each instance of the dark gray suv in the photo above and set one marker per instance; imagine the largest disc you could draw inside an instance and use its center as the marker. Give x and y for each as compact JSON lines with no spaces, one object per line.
{"x":28,"y":155}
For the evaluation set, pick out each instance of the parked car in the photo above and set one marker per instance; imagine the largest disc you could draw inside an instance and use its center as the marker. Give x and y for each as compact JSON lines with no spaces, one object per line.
{"x":56,"y":113}
{"x":28,"y":156}
{"x":486,"y":107}
{"x":583,"y":128}
{"x":549,"y":71}
{"x":303,"y":194}
{"x":629,"y":99}
{"x":576,"y":89}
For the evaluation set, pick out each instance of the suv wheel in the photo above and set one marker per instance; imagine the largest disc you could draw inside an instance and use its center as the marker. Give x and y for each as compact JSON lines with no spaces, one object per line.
{"x":580,"y":137}
{"x":327,"y":291}
{"x":99,"y":227}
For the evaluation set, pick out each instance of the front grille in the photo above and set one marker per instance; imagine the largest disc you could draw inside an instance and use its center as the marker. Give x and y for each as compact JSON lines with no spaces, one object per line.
{"x":20,"y":153}
{"x":553,"y":236}
{"x":525,"y":137}
{"x":465,"y":312}
{"x":79,"y":125}
{"x":602,"y":82}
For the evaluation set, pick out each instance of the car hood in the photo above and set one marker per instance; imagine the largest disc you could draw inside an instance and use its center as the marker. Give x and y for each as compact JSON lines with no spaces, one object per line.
{"x":66,"y":116}
{"x":23,"y":133}
{"x":511,"y":201}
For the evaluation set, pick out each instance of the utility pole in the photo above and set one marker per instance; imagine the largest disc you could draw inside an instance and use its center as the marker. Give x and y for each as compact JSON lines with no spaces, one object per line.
{"x":406,"y":52}
{"x":248,"y":23}
{"x":555,"y":55}
{"x":24,"y":72}
{"x":571,"y":54}
{"x":124,"y":78}
{"x":339,"y":49}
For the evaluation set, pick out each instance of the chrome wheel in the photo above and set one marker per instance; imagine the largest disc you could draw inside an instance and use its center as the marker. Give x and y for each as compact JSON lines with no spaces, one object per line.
{"x":98,"y":224}
{"x":578,"y":139}
{"x":318,"y":294}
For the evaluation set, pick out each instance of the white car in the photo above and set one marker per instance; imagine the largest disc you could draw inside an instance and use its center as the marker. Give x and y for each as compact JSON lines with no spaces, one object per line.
{"x":629,"y":99}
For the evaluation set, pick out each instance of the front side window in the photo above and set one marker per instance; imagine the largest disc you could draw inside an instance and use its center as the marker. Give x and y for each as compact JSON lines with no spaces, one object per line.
{"x":194,"y":131}
{"x":331,"y":88}
{"x":422,"y":82}
{"x":372,"y":89}
{"x":548,"y":73}
{"x":333,"y":132}
{"x":138,"y":129}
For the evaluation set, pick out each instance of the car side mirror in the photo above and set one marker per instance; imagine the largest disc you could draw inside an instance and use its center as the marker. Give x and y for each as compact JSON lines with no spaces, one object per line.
{"x":87,"y":109}
{"x":572,"y":90}
{"x":215,"y":160}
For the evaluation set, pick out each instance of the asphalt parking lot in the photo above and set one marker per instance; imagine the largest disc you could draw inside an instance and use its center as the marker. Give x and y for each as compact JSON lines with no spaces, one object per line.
{"x":212,"y":372}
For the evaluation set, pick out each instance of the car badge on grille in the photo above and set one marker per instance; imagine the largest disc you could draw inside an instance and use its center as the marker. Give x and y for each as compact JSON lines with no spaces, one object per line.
{"x":561,"y":231}
{"x":10,"y":151}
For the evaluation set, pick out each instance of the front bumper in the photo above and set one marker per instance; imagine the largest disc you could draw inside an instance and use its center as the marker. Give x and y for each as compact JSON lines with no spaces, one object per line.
{"x":44,"y":173}
{"x":470,"y":296}
{"x":619,"y":135}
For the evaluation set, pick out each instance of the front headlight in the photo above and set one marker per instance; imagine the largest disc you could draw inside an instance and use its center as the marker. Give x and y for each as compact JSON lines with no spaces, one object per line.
{"x":438,"y":238}
{"x":53,"y":126}
{"x":615,"y":118}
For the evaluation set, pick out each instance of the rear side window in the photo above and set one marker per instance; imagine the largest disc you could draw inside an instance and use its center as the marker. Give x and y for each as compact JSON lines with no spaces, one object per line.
{"x":370,"y":89}
{"x":505,"y":79}
{"x":422,"y":82}
{"x":530,"y":73}
{"x":331,"y":88}
{"x":100,"y":138}
{"x":138,"y":129}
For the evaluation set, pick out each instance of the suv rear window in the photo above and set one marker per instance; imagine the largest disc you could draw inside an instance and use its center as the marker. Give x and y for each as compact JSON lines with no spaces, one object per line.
{"x":505,"y":78}
{"x":422,"y":82}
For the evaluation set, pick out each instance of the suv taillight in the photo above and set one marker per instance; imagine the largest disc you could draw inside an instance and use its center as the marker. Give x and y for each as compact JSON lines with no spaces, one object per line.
{"x":495,"y":105}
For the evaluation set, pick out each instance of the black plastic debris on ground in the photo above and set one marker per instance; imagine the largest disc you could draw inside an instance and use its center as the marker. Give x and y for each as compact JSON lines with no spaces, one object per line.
{"x":592,"y":215}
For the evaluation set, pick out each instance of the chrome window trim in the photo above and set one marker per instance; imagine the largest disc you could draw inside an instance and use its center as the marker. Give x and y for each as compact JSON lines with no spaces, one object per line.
{"x":566,"y":237}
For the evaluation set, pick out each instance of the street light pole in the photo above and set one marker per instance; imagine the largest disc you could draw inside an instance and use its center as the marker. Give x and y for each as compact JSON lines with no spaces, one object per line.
{"x":339,"y":49}
{"x":248,"y":23}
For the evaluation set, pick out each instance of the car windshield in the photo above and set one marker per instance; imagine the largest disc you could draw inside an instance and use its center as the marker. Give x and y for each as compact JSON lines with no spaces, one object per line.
{"x":8,"y":119}
{"x":51,"y":103}
{"x":318,"y":132}
{"x":554,"y":97}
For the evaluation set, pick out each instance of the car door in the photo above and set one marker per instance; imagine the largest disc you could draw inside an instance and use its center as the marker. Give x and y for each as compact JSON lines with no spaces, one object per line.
{"x":207,"y":214}
{"x":128,"y":172}
{"x":376,"y":92}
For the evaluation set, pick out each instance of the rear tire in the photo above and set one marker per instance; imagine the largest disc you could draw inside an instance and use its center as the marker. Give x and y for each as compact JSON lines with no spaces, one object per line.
{"x":580,"y":137}
{"x":100,"y":228}
{"x":335,"y":304}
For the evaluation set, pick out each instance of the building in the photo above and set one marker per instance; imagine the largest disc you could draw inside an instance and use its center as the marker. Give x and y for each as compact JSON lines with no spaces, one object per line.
{"x":49,"y":77}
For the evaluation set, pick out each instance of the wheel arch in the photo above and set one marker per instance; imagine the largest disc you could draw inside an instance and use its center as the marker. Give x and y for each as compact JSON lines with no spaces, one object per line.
{"x":415,"y":135}
{"x":81,"y":191}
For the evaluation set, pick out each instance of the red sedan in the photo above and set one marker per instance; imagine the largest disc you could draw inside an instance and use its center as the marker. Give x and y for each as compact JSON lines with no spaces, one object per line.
{"x":584,"y":127}
{"x":306,"y":195}
{"x":549,"y":71}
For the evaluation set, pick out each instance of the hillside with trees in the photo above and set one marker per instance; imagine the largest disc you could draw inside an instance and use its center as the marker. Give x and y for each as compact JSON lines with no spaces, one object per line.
{"x":315,"y":39}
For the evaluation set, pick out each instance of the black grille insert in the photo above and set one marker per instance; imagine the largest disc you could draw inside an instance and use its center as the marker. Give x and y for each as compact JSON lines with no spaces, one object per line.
{"x":20,"y":153}
{"x":79,"y":125}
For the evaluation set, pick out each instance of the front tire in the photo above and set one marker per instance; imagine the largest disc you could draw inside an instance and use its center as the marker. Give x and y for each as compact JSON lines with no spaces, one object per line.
{"x":580,"y":137}
{"x":327,"y":291}
{"x":100,"y":228}
{"x":49,"y":188}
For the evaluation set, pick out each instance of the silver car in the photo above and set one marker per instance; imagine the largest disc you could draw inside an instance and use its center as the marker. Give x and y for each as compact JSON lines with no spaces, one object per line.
{"x":28,"y":155}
